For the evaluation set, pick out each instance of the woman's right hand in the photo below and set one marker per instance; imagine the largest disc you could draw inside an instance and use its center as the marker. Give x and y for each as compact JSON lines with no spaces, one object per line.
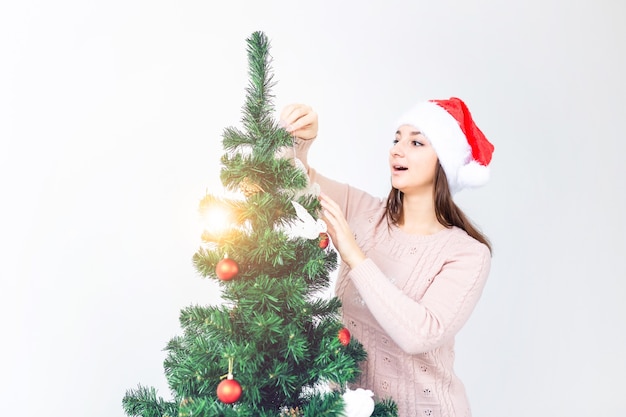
{"x":300,"y":120}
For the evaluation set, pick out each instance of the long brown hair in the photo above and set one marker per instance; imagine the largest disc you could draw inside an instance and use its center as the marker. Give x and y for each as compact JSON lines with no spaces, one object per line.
{"x":446,"y":210}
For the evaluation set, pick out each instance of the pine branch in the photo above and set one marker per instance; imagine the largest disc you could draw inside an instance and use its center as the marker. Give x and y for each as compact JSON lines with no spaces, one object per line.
{"x":324,"y":405}
{"x":234,"y":139}
{"x":143,"y":402}
{"x":258,"y":107}
{"x":325,"y":309}
{"x":385,"y":408}
{"x":269,"y":174}
{"x":207,"y":321}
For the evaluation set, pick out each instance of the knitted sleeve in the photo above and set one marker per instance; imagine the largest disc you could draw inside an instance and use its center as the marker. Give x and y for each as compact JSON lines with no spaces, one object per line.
{"x":421,"y":326}
{"x":351,"y":200}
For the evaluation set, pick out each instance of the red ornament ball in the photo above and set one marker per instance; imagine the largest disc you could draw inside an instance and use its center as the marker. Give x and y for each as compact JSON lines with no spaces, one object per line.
{"x":324,"y":240}
{"x":229,"y":390}
{"x":344,"y":336}
{"x":226,"y":269}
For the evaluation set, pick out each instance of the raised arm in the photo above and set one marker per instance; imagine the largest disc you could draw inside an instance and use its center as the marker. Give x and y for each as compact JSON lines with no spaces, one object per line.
{"x":346,"y":201}
{"x":420,"y":326}
{"x":301,"y":121}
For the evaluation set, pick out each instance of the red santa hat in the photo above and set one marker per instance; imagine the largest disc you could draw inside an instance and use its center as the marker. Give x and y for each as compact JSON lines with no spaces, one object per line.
{"x":463,"y":150}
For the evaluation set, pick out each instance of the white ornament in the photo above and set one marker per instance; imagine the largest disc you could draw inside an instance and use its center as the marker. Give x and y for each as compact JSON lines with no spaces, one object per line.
{"x":306,"y":226}
{"x":299,"y":164}
{"x":358,"y":403}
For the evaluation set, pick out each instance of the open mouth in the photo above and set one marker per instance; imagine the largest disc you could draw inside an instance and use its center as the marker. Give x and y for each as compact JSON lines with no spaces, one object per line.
{"x":399,"y":168}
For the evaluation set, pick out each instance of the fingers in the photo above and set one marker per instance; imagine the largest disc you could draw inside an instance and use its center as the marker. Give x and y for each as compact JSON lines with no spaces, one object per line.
{"x":290,"y":111}
{"x":293,"y":112}
{"x":331,"y":209}
{"x":333,"y":215}
{"x":307,"y":120}
{"x":295,"y":117}
{"x":327,"y":216}
{"x":340,"y":232}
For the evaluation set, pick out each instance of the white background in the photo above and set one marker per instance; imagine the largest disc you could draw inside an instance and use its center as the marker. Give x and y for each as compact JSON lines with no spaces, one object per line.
{"x":111,"y":115}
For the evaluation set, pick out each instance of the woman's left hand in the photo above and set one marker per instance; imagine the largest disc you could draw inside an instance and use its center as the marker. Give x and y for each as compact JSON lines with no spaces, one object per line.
{"x":340,"y":232}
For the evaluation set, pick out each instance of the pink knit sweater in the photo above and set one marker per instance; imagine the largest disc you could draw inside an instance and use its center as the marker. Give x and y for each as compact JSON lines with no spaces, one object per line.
{"x":406,"y":302}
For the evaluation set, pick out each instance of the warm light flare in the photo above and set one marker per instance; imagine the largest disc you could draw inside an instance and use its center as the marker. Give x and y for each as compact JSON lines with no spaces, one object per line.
{"x":216,"y":218}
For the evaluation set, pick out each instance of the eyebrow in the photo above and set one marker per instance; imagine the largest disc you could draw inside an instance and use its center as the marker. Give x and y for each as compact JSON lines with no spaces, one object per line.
{"x":414,"y":133}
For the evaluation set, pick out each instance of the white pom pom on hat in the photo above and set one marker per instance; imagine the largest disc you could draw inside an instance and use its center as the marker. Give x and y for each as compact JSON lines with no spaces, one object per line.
{"x":463,"y":150}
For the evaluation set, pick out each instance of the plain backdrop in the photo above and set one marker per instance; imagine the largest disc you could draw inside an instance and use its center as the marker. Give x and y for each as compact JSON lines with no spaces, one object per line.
{"x":111,"y":114}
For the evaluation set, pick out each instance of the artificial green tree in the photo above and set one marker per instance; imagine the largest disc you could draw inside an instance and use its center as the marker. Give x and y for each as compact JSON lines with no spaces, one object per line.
{"x":277,"y":340}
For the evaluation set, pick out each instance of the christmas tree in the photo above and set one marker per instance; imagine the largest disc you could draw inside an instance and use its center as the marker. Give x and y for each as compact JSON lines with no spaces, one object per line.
{"x":272,"y":347}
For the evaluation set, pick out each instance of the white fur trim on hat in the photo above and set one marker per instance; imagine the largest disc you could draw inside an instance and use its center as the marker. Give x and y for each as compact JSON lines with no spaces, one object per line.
{"x":449,"y":142}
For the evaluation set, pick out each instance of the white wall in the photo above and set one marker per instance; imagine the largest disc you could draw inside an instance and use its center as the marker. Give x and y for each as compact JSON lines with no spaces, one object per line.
{"x":110,"y":121}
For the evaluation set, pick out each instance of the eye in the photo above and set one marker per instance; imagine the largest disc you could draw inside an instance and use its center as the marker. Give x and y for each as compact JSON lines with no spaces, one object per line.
{"x":416,"y":143}
{"x":395,"y":141}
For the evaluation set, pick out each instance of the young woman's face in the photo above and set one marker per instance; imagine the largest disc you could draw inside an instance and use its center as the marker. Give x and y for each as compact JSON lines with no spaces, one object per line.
{"x":412,"y":161}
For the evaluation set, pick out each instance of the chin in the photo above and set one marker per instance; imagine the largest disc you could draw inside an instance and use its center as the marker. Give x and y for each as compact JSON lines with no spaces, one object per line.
{"x":397,"y":186}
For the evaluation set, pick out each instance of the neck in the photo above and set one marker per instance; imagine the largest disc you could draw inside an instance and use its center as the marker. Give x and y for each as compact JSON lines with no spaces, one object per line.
{"x":418,"y":215}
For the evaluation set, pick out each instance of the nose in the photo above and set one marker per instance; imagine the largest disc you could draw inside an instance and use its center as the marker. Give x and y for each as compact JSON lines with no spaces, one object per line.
{"x":396,"y":150}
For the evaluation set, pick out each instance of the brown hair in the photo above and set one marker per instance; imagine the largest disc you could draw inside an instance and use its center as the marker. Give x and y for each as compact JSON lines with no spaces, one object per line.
{"x":446,"y":210}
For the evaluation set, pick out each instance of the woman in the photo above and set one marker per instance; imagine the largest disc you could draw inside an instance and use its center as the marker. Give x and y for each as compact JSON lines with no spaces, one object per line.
{"x":413,"y":266}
